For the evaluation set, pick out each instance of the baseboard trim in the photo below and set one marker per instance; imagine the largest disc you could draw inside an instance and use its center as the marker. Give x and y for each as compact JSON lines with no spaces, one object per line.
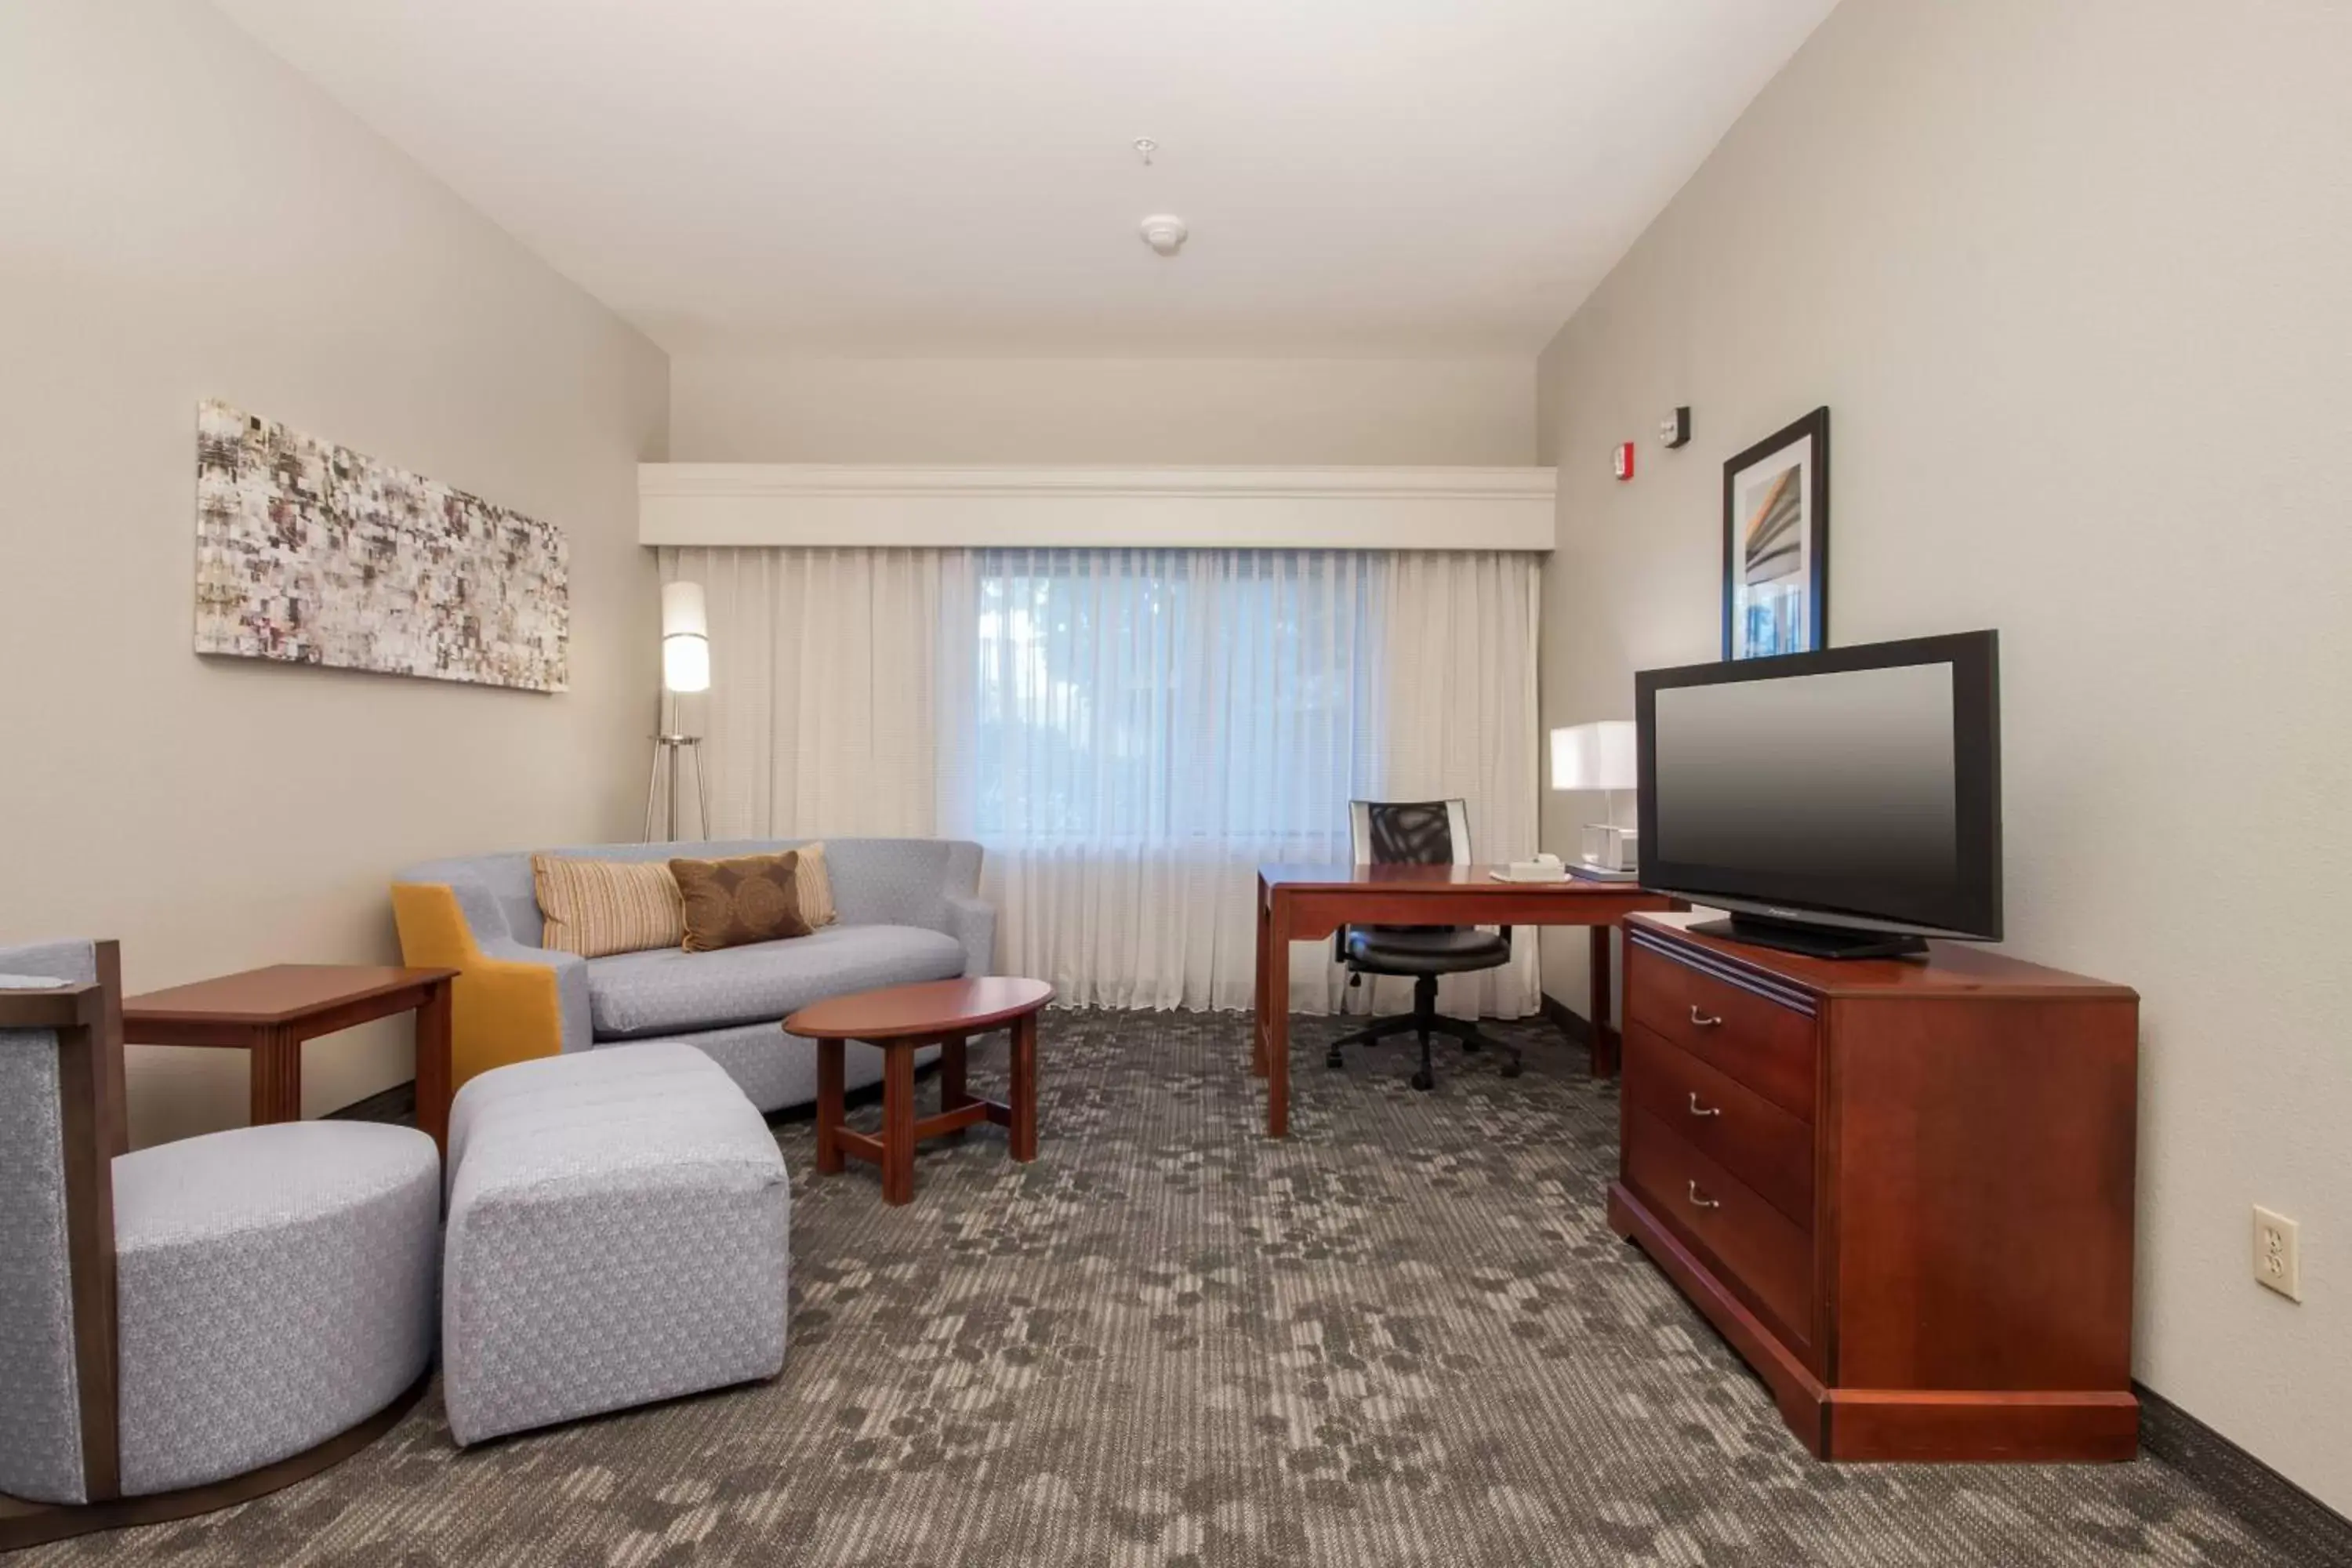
{"x":1567,"y":1021}
{"x":2257,"y":1496}
{"x":396,"y":1104}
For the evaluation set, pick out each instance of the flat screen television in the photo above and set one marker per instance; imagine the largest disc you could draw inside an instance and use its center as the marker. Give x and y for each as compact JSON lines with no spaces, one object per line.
{"x":1843,"y":803}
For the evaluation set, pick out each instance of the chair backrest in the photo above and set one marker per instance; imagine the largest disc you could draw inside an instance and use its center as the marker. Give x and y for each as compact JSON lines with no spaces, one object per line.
{"x":60,"y":1127}
{"x":1410,"y":832}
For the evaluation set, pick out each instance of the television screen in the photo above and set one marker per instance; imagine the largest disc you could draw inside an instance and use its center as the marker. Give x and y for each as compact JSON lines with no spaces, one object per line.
{"x":1857,"y":788}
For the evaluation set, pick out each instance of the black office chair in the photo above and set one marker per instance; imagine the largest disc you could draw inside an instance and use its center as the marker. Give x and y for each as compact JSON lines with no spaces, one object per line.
{"x":1422,"y":833}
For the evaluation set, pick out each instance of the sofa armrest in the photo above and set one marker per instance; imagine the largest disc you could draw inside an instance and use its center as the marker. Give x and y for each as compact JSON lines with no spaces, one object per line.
{"x":575,"y":1030}
{"x":973,"y":923}
{"x":510,"y":1001}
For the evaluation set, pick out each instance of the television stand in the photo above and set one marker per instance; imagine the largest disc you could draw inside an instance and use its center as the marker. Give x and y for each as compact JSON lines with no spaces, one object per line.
{"x":1901,"y":1190}
{"x":1813,"y":941}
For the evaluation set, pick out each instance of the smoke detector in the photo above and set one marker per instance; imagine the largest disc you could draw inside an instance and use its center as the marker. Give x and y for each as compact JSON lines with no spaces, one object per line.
{"x":1165,"y":233}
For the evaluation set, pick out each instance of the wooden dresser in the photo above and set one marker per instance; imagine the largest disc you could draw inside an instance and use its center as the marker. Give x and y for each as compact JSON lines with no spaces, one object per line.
{"x":1902,"y":1189}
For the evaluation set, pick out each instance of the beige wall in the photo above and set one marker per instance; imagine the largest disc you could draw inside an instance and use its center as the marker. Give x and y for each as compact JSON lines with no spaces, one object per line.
{"x":2072,"y":280}
{"x":774,"y":409}
{"x":184,"y":217}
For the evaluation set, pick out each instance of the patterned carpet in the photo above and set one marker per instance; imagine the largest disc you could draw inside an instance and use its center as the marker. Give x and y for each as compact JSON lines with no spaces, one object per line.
{"x":1405,"y":1336}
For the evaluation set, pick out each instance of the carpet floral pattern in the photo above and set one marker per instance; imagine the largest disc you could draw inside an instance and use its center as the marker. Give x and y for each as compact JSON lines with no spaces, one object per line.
{"x":1405,"y":1335}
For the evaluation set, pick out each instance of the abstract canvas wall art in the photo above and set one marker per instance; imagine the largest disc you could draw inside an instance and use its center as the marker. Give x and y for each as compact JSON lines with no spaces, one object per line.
{"x":1776,"y":543}
{"x":307,"y":552}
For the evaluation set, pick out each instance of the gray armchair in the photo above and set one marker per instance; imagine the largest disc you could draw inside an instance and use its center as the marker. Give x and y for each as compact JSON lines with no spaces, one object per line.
{"x":191,"y":1325}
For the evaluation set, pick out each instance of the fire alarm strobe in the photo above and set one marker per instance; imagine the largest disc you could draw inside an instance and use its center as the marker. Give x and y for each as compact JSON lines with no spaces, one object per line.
{"x":1673,"y":430}
{"x":1625,"y":463}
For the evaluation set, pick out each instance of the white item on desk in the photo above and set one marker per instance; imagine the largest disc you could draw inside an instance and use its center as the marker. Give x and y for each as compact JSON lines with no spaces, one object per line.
{"x":1611,"y":847}
{"x":1543,"y":868}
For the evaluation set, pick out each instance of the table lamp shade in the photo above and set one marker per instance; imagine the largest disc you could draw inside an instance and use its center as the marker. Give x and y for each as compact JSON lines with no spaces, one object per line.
{"x":1599,"y":756}
{"x":686,"y":638}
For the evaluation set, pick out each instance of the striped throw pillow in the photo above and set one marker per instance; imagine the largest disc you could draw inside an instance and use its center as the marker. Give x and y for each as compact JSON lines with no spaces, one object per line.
{"x":815,"y":886}
{"x":597,"y":907}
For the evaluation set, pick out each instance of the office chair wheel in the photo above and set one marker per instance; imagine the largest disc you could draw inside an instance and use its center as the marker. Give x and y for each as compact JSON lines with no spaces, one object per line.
{"x":1423,"y":1081}
{"x":1472,"y":1044}
{"x":1514,"y":1068}
{"x":1333,"y":1059}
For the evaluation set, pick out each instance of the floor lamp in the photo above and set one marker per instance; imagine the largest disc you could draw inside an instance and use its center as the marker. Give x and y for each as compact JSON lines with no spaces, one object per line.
{"x":686,"y":667}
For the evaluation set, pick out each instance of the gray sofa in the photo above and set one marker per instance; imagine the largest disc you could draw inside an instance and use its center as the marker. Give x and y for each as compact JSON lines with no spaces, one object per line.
{"x":907,"y":910}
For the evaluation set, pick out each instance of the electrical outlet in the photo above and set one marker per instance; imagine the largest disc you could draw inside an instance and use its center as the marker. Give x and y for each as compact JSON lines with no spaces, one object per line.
{"x":2278,"y":1256}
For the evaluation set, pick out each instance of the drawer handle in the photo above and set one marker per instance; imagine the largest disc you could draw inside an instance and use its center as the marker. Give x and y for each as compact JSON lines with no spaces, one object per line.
{"x":1698,"y":1109}
{"x":1704,"y":1020}
{"x":1699,"y":1200}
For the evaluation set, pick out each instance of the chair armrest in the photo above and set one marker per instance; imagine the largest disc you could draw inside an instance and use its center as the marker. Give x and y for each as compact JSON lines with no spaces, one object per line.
{"x":60,"y":1006}
{"x":509,"y":1001}
{"x":973,"y":923}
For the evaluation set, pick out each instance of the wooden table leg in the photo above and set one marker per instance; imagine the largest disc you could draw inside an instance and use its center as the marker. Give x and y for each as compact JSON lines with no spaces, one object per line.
{"x":1264,"y":981}
{"x":1605,"y":1037}
{"x":433,"y":1068}
{"x":1277,"y":1026}
{"x":275,"y":1084}
{"x":952,"y":1092}
{"x":1023,"y":1133}
{"x":828,"y":1107}
{"x":898,"y":1122}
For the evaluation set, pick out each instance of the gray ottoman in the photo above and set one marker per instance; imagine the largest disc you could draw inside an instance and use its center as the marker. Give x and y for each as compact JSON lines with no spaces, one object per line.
{"x":618,"y":1231}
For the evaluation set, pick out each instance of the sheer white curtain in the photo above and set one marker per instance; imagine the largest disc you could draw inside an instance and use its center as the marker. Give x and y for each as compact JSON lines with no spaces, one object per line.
{"x":1459,"y":717}
{"x":819,"y":718}
{"x":1129,"y":732}
{"x":1138,"y":730}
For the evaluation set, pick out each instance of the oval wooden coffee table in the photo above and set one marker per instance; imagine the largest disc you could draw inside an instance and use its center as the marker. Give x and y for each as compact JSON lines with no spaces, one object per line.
{"x":902,"y":1020}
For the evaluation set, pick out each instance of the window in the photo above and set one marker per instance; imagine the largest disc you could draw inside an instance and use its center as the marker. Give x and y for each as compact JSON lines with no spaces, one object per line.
{"x":1130,"y":698}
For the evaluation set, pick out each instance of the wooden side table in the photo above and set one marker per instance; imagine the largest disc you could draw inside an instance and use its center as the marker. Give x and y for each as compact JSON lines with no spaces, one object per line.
{"x":269,"y":1012}
{"x":901,"y":1021}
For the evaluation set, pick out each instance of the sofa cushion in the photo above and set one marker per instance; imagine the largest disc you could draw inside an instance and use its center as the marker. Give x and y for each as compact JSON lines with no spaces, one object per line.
{"x":275,"y":1286}
{"x":636,"y":995}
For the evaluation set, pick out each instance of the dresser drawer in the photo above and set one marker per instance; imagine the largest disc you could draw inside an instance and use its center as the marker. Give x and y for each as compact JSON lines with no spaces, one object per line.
{"x":1757,"y":1250}
{"x":1738,"y":1129}
{"x":1762,"y":1044}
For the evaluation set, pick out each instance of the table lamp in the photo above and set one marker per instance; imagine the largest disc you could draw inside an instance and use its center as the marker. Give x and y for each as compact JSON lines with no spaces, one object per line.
{"x":1600,"y":756}
{"x":686,"y":667}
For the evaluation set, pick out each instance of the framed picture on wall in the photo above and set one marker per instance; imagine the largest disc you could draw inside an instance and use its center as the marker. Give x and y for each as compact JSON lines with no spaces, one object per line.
{"x":1776,"y":543}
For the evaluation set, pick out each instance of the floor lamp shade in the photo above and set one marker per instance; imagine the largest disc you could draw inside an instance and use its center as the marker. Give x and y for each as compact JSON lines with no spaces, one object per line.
{"x":686,"y":667}
{"x":1599,"y":756}
{"x":686,"y":638}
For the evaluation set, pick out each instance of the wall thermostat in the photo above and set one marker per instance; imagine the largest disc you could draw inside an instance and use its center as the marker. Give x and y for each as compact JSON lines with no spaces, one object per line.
{"x":1673,"y":430}
{"x":1623,"y":464}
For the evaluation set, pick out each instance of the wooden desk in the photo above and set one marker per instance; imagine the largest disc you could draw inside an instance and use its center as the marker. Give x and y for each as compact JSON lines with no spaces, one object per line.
{"x":269,"y":1012}
{"x":1301,"y":903}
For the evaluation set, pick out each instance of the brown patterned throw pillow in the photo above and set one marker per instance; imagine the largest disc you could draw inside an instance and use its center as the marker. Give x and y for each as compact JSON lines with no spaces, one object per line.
{"x":750,"y":898}
{"x":598,"y":907}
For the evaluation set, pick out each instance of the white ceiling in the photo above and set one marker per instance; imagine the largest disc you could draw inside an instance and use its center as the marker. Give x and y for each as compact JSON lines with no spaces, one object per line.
{"x":956,"y":176}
